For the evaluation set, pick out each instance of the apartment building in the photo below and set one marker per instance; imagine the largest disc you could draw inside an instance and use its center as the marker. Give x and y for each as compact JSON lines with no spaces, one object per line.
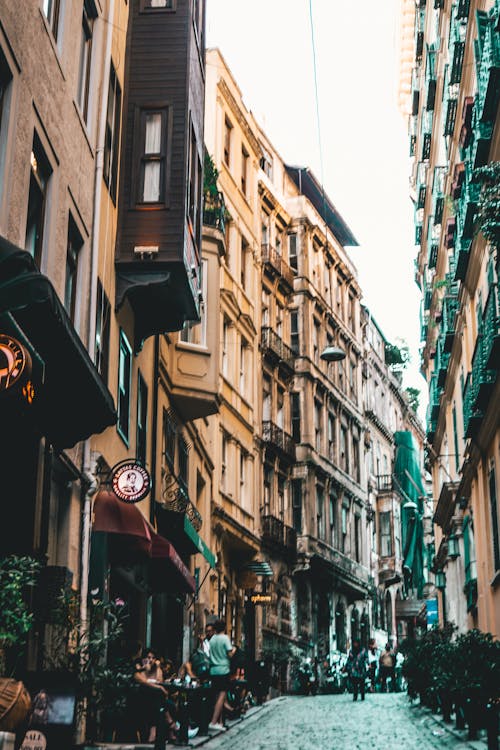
{"x":454,"y":132}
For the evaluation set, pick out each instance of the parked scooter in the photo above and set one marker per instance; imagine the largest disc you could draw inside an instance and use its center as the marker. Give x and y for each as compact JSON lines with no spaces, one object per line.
{"x":307,"y":679}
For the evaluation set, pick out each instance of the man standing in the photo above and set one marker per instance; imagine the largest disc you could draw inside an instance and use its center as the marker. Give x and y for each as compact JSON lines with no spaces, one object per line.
{"x":387,"y":661}
{"x":221,"y":651}
{"x":372,"y":663}
{"x":357,"y":664}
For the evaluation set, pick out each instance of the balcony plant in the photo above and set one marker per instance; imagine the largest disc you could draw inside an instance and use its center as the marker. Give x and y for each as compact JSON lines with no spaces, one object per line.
{"x":487,"y":218}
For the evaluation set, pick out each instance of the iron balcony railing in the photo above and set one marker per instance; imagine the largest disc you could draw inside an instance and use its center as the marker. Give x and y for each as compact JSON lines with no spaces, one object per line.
{"x":384,"y":482}
{"x":487,"y":74}
{"x":274,"y":531}
{"x":275,"y":260}
{"x":179,"y":502}
{"x":491,"y":328}
{"x":278,"y":438}
{"x":450,"y":307}
{"x":477,"y":386}
{"x":214,"y":211}
{"x":273,"y":343}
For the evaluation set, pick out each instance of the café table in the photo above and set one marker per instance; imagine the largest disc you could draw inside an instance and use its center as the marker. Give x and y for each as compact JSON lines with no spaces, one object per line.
{"x":191,"y":699}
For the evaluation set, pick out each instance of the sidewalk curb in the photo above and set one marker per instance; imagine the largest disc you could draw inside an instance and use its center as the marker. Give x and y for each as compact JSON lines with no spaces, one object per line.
{"x":238,"y":725}
{"x":459,"y":735}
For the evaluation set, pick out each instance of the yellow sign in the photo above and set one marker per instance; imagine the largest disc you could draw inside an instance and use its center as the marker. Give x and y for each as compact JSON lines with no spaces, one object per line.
{"x":260,"y":598}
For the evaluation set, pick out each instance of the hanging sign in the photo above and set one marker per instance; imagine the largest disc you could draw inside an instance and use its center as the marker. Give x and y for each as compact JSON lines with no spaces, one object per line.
{"x":258,"y":598}
{"x":130,"y":482}
{"x":15,"y":367}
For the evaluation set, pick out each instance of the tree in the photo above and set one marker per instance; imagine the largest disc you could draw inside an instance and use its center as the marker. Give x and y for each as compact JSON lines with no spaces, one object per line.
{"x":397,"y":356}
{"x":413,"y":398}
{"x":210,"y":177}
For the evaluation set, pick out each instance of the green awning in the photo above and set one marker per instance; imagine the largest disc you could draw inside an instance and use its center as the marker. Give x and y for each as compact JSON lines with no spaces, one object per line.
{"x":408,"y":479}
{"x":198,"y":542}
{"x":176,"y":526}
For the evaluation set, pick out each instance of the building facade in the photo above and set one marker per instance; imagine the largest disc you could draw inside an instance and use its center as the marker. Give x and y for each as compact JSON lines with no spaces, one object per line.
{"x":453,"y":134}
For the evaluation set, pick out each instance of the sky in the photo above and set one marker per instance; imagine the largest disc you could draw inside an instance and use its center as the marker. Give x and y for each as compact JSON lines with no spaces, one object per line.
{"x":364,"y":156}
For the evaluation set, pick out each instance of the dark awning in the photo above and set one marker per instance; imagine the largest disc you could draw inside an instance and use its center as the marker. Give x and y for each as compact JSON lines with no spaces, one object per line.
{"x":73,"y":402}
{"x":178,"y":528}
{"x":132,"y":537}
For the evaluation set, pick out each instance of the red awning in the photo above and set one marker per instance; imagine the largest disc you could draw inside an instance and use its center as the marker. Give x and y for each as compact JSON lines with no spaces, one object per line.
{"x":177,"y":573}
{"x":133,"y":534}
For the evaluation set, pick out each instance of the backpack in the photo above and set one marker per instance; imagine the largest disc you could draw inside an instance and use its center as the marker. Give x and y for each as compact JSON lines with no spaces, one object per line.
{"x":200,"y":663}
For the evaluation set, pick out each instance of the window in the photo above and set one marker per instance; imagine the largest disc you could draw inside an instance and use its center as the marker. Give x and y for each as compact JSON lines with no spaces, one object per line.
{"x":244,"y":170}
{"x":278,"y":326}
{"x":331,"y":436}
{"x":297,"y":505}
{"x":280,"y":407}
{"x":345,"y":511}
{"x":152,"y":156}
{"x":243,"y":262}
{"x":266,"y":163}
{"x":318,"y":408}
{"x":112,"y":135}
{"x":332,"y":517}
{"x":292,"y":252}
{"x":195,"y":332}
{"x":73,"y":248}
{"x":294,"y":332}
{"x":153,"y":5}
{"x":295,"y":397}
{"x":281,"y":498}
{"x":243,"y":478}
{"x":194,"y":187}
{"x":315,"y":341}
{"x":245,"y":374}
{"x":227,"y":142}
{"x":266,"y":399}
{"x":268,"y":485}
{"x":223,"y":463}
{"x":5,"y":90}
{"x":356,"y":460}
{"x":266,"y":301}
{"x":102,"y":333}
{"x":225,"y":347}
{"x":320,"y":512}
{"x":41,"y":172}
{"x":494,"y":520}
{"x":51,"y":9}
{"x":357,"y":537}
{"x":124,"y":382}
{"x":183,"y":453}
{"x":353,"y":379}
{"x":343,"y":448}
{"x":169,"y":438}
{"x":455,"y":439}
{"x":142,"y":417}
{"x":84,"y":66}
{"x":385,"y":536}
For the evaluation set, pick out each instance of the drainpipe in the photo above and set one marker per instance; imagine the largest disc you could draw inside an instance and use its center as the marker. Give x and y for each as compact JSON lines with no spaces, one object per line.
{"x":89,"y":469}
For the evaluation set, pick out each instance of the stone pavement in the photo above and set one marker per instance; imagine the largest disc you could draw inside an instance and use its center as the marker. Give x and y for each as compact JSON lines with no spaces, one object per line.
{"x":334,"y":722}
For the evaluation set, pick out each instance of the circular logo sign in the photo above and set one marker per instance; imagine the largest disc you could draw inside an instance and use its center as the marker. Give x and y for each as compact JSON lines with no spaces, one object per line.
{"x":131,"y":482}
{"x":15,"y":363}
{"x":34,"y":740}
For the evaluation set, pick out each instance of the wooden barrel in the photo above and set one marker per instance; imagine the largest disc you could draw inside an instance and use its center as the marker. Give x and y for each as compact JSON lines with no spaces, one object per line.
{"x":15,"y":704}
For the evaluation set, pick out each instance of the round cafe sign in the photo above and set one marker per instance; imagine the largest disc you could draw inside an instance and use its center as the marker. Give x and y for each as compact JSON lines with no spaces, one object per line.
{"x":15,"y":363}
{"x":130,"y":482}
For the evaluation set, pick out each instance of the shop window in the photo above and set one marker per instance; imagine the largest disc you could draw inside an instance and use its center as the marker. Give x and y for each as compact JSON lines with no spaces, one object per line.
{"x":112,"y":134}
{"x":37,"y":219}
{"x":74,"y":245}
{"x":142,"y":419}
{"x":102,"y":333}
{"x":124,"y":385}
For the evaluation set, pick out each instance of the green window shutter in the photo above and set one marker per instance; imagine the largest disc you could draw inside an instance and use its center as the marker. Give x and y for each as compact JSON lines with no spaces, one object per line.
{"x":465,"y":528}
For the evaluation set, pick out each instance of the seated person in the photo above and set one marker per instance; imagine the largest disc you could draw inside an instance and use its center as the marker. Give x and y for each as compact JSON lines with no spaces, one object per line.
{"x":153,"y":701}
{"x":152,"y":666}
{"x":198,"y":664}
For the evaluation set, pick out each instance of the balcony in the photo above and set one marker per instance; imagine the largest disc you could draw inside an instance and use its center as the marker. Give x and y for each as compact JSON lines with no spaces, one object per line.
{"x":275,"y":348}
{"x":441,"y":363}
{"x":275,"y":262}
{"x":450,"y":307}
{"x":214,"y":212}
{"x":478,"y":386}
{"x":278,"y":535}
{"x":445,"y":505}
{"x":276,"y":438}
{"x":491,"y":329}
{"x":349,"y":574}
{"x":384,"y":483}
{"x":462,"y":256}
{"x":488,"y":73}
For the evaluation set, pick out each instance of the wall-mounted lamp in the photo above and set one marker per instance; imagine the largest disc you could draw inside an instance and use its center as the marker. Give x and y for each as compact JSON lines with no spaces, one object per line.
{"x":332,"y":354}
{"x":440,"y":580}
{"x":452,"y":545}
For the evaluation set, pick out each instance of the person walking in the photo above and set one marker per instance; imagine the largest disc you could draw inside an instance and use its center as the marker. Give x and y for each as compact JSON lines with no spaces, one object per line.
{"x":372,"y":664}
{"x":221,"y":651}
{"x":387,"y":661}
{"x":357,"y":665}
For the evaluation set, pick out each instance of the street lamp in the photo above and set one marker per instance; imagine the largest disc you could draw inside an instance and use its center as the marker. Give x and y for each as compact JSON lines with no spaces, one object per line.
{"x":440,"y":580}
{"x":332,"y":354}
{"x":452,"y":545}
{"x":411,"y":507}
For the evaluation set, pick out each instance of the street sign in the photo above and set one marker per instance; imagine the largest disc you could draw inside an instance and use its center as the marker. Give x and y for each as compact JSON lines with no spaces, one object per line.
{"x":432,"y":612}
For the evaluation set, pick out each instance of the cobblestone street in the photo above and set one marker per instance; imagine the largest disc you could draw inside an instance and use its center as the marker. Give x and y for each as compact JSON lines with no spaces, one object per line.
{"x":335,"y":722}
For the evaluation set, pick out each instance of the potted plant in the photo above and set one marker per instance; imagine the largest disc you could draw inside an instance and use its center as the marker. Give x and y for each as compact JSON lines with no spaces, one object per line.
{"x":18,"y":576}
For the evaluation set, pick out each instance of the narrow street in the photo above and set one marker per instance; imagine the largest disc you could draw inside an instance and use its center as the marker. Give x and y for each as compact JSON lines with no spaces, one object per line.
{"x":335,"y":722}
